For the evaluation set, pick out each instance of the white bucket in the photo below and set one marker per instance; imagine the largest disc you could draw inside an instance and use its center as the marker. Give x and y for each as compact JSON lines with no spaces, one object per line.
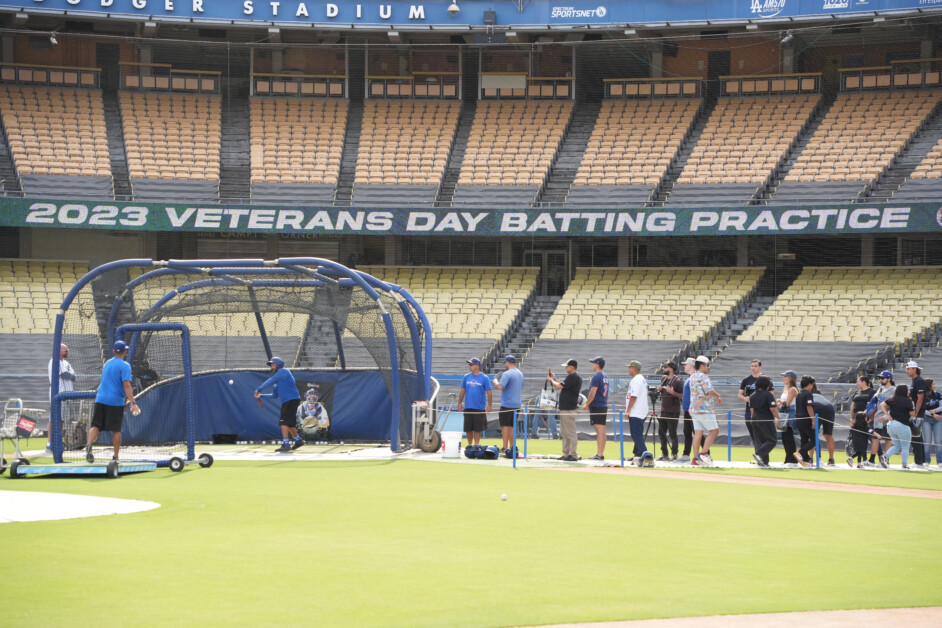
{"x":451,"y":444}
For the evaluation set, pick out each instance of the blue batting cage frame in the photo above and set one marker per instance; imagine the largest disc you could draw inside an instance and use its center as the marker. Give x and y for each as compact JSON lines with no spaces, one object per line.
{"x":239,"y":272}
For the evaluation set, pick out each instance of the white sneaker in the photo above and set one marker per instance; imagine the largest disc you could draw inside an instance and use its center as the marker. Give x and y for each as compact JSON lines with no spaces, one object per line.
{"x":687,"y":459}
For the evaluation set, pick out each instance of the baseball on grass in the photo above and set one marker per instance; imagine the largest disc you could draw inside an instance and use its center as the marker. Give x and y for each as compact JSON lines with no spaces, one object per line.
{"x":230,"y":382}
{"x":503,"y":497}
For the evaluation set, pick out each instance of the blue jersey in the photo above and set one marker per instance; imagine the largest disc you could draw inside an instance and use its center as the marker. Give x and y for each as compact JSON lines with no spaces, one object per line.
{"x":111,"y":390}
{"x":686,"y":400}
{"x":474,"y":387}
{"x":599,"y":382}
{"x":284,"y":385}
{"x":512,"y":381}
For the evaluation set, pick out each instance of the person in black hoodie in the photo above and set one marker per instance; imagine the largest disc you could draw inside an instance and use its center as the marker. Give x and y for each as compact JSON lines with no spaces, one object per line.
{"x":763,"y":412}
{"x":859,"y":439}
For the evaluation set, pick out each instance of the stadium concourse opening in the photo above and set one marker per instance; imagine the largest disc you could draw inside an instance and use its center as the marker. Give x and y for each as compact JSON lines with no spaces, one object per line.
{"x":201,"y":331}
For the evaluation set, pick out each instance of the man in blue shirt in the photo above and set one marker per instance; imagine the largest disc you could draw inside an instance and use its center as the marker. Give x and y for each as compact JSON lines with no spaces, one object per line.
{"x":114,"y":389}
{"x":285,"y":388}
{"x":685,"y":405}
{"x":597,"y":402}
{"x":511,"y":382}
{"x":474,"y":399}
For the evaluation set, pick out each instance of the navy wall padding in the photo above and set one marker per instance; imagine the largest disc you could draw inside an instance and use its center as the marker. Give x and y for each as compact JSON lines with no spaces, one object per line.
{"x":361,"y":407}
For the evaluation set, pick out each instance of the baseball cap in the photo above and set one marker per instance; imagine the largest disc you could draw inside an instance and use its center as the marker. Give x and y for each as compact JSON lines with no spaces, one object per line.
{"x":598,"y":360}
{"x":912,"y":365}
{"x":571,"y":363}
{"x":703,"y":359}
{"x":885,"y":374}
{"x":510,"y":358}
{"x":689,"y":361}
{"x":635,"y":364}
{"x":791,"y":374}
{"x":474,"y":361}
{"x":119,"y":346}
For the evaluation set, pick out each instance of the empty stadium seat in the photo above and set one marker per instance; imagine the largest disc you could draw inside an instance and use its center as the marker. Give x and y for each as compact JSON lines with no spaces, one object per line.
{"x":513,"y":143}
{"x":745,"y":138}
{"x":405,"y":142}
{"x":819,"y":306}
{"x":633,"y":143}
{"x":296,"y":142}
{"x":648,"y":303}
{"x":171,"y":136}
{"x":58,"y":140}
{"x":31,"y":292}
{"x":861,"y":135}
{"x":464,"y":302}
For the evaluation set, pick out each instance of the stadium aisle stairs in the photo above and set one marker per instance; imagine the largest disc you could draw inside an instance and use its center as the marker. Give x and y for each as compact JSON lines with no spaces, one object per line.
{"x":663,"y":189}
{"x":791,"y":156}
{"x":533,"y":320}
{"x":902,"y":167}
{"x":235,"y":167}
{"x":116,"y":150}
{"x":348,"y":159}
{"x":11,"y":181}
{"x":446,"y":191}
{"x":570,"y":153}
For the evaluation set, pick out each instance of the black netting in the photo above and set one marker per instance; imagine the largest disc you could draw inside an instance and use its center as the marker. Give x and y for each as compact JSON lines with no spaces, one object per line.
{"x":324,"y":322}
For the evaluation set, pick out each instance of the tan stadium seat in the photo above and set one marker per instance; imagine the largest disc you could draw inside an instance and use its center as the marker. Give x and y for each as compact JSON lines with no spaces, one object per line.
{"x":861,"y":135}
{"x":172,"y":136}
{"x":634,"y":141}
{"x":513,"y":143}
{"x":56,"y":131}
{"x":290,"y":136}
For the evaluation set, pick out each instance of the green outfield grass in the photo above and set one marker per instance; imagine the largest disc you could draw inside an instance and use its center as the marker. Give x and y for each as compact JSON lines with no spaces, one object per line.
{"x":423,"y":544}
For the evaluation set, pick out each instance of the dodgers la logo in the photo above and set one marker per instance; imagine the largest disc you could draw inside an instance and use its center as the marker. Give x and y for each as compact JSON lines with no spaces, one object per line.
{"x":767,"y":8}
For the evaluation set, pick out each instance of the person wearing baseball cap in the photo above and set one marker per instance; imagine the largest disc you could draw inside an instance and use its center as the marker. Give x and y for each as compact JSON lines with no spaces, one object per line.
{"x":474,"y":399}
{"x":688,"y":365}
{"x":703,"y":400}
{"x":511,"y":383}
{"x":917,"y":392}
{"x":597,"y":402}
{"x":285,"y":388}
{"x":879,"y":437}
{"x":568,"y":407}
{"x":637,"y":408}
{"x":114,"y":392}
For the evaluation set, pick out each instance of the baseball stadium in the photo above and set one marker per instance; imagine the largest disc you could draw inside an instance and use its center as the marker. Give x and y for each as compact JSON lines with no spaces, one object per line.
{"x":605,"y":312}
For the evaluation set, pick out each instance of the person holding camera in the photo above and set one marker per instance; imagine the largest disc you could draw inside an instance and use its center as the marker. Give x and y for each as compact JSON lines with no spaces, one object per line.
{"x":671,"y":391}
{"x":568,"y":407}
{"x":746,"y":388}
{"x":597,"y":402}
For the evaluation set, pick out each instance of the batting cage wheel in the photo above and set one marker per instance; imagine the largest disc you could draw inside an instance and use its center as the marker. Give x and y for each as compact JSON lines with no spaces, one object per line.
{"x":23,"y":461}
{"x":3,"y":465}
{"x":13,"y":473}
{"x":112,"y":471}
{"x":431,"y":444}
{"x":176,"y":464}
{"x":206,"y":460}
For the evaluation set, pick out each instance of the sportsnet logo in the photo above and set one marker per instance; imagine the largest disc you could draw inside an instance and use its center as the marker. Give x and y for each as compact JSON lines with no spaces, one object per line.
{"x":573,"y":12}
{"x":768,"y":8}
{"x":836,"y":4}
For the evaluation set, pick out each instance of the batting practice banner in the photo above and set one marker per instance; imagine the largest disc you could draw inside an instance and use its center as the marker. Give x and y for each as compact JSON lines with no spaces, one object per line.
{"x":470,"y":12}
{"x":757,"y":220}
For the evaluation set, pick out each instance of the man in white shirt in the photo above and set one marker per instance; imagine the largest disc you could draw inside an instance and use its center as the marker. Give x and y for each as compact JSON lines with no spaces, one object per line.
{"x":637,"y":410}
{"x":66,"y":379}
